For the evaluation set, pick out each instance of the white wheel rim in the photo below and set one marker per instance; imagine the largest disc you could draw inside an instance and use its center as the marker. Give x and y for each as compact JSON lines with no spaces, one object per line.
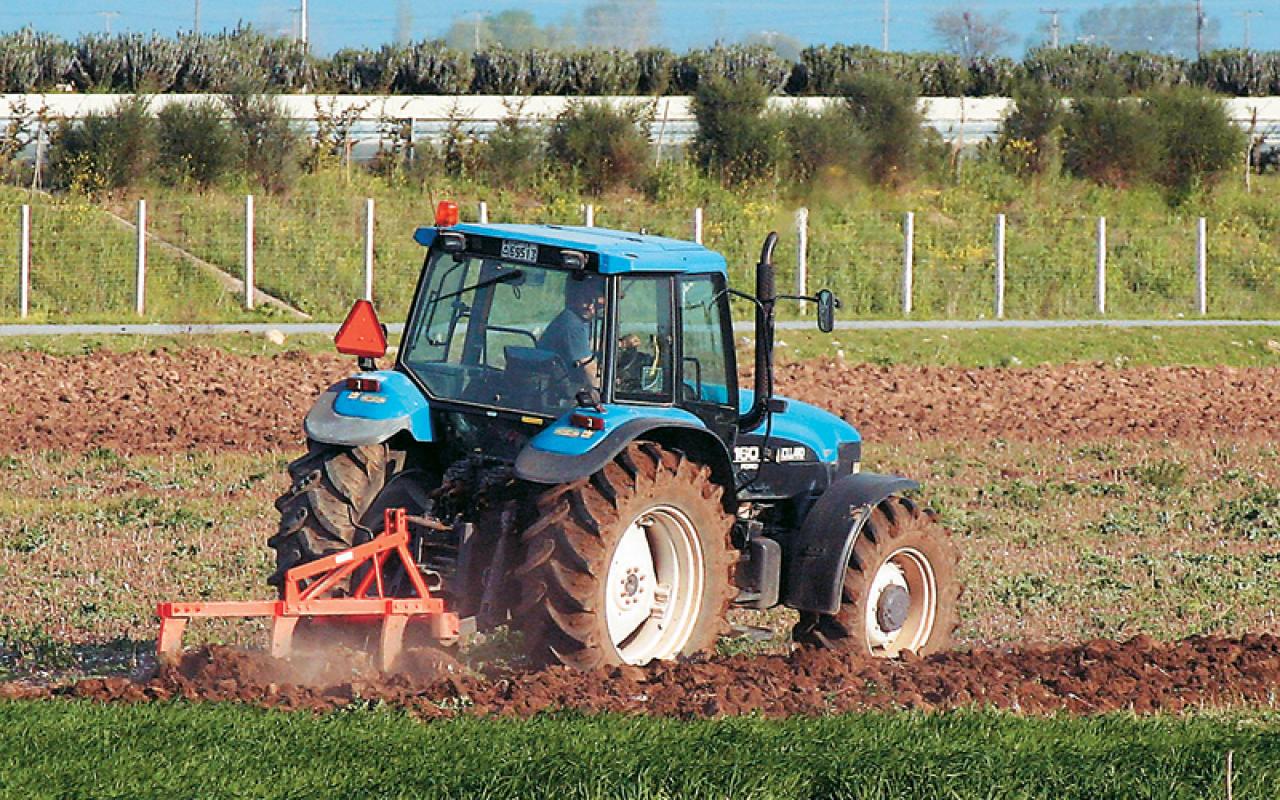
{"x":653,"y":591}
{"x":910,"y":570}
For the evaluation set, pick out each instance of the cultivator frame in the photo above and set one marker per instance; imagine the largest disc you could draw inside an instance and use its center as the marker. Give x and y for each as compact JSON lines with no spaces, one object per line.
{"x":315,"y":600}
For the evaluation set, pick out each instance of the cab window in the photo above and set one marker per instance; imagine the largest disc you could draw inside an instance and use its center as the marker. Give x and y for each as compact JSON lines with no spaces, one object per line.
{"x":704,"y":367}
{"x":642,"y":367}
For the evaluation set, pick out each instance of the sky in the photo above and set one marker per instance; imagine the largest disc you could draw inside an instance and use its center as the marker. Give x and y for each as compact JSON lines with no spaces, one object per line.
{"x":684,"y":23}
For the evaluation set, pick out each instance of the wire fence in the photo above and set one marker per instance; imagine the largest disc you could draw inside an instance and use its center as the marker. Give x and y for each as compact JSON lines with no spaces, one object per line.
{"x":313,"y":255}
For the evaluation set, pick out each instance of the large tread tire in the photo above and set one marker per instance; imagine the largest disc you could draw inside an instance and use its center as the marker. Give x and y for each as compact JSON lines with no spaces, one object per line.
{"x":897,"y":525}
{"x":568,"y":551}
{"x":332,"y":489}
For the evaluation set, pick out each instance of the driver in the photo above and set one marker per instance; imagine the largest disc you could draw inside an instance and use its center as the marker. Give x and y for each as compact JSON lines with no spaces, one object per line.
{"x":569,"y":334}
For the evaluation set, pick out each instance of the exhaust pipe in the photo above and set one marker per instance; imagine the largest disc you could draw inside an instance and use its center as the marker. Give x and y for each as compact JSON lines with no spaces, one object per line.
{"x":765,"y":295}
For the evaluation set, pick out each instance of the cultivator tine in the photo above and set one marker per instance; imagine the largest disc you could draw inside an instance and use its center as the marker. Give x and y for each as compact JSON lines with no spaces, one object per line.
{"x":313,"y":600}
{"x":392,"y":641}
{"x":169,"y":642}
{"x":282,"y":629}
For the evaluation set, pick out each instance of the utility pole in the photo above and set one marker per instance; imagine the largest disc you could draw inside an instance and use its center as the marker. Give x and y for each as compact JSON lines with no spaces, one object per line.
{"x":884,"y":27}
{"x":1053,"y":24}
{"x":195,"y":28}
{"x":1199,"y":28}
{"x":107,"y":16}
{"x":1246,"y":15}
{"x":302,"y":23}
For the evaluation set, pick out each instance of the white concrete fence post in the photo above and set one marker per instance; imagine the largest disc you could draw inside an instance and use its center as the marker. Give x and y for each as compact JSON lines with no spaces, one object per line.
{"x":24,"y":260}
{"x":368,"y":249}
{"x":697,"y":225}
{"x":484,"y":213}
{"x":589,"y":215}
{"x":1101,"y":277}
{"x":908,"y":256}
{"x":248,"y":252}
{"x":802,"y":255}
{"x":1000,"y":222}
{"x":140,"y":300}
{"x":1202,"y":268}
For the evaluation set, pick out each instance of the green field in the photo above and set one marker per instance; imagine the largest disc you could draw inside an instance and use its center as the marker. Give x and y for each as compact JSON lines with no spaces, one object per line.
{"x":1060,"y":542}
{"x":310,"y":243}
{"x":66,"y":749}
{"x":1245,"y":346}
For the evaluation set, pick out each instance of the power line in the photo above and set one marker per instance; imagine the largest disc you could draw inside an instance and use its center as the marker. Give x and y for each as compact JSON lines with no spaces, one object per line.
{"x":884,"y":28}
{"x":1199,"y":28}
{"x":1053,"y":24}
{"x":107,"y":16}
{"x":1246,"y":15}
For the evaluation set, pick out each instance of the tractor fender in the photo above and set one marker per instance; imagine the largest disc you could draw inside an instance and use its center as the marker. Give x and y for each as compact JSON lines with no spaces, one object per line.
{"x":539,"y":464}
{"x":344,"y":417}
{"x":816,"y":556}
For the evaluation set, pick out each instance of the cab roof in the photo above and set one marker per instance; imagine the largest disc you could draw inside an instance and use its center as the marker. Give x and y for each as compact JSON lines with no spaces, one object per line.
{"x":619,"y":252}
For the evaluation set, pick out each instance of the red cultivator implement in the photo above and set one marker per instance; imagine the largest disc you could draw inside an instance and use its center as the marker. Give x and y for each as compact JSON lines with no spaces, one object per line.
{"x":308,"y":593}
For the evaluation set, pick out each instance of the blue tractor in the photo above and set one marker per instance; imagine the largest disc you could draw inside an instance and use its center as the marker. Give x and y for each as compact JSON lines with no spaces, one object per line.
{"x":564,"y":425}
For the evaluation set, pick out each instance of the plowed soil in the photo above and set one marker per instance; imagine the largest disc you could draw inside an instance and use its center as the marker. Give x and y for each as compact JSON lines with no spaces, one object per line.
{"x":208,"y":399}
{"x":1139,"y":675}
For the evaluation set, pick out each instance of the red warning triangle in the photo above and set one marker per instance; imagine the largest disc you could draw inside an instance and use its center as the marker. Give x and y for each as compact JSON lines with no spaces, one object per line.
{"x":361,"y":334}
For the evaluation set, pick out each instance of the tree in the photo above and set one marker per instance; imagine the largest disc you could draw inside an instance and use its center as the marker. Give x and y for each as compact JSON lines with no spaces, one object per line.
{"x":1154,"y":27}
{"x":513,"y":28}
{"x":624,"y":24}
{"x":970,"y":35}
{"x":787,"y":47}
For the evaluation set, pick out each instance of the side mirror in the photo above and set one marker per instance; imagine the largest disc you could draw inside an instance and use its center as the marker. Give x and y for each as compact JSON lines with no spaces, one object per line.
{"x":827,"y":305}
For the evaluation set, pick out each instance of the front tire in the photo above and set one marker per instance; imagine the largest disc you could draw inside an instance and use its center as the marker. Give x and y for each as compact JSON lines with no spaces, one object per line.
{"x":631,"y":565}
{"x":900,"y":589}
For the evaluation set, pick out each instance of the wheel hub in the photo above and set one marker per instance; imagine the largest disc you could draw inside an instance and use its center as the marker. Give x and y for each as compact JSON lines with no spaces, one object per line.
{"x":654,"y":586}
{"x":891,"y":610}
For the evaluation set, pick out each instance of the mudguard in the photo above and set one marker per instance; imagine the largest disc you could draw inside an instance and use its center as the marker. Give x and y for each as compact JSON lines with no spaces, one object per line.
{"x":344,"y":417}
{"x":816,"y":556}
{"x":565,"y":452}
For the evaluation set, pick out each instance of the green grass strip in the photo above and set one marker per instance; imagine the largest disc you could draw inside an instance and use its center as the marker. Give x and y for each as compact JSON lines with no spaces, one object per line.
{"x":1250,"y":346}
{"x":75,"y":749}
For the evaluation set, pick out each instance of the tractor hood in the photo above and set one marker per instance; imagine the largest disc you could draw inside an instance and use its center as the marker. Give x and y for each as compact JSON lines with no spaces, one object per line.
{"x":815,"y":428}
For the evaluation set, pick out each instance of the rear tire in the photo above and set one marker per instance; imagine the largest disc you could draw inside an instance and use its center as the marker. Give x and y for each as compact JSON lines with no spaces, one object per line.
{"x":900,"y":589}
{"x":336,"y":500}
{"x":630,"y":565}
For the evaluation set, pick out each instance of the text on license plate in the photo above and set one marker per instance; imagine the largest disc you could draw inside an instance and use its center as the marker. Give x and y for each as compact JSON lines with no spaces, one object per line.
{"x":519,"y":251}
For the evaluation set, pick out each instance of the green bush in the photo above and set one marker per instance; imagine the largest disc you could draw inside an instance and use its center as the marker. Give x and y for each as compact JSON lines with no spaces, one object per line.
{"x":736,"y":141}
{"x":32,"y":61}
{"x":1030,"y":135}
{"x":884,"y":109}
{"x":267,"y":143}
{"x":603,"y":145}
{"x":654,"y":66}
{"x":822,"y":145}
{"x":1110,"y":140}
{"x":513,"y":154}
{"x":195,"y":144}
{"x":736,"y":64}
{"x":549,"y":72}
{"x":1198,"y":140}
{"x":105,"y":152}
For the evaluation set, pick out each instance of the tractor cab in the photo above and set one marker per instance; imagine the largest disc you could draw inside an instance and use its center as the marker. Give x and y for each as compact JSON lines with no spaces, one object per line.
{"x":535,"y":321}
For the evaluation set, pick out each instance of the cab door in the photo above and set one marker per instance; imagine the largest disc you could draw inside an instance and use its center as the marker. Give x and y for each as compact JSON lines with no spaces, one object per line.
{"x":708,"y":383}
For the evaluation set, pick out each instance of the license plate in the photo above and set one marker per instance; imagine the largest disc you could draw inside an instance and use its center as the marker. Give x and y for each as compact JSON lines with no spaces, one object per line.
{"x":520,"y":251}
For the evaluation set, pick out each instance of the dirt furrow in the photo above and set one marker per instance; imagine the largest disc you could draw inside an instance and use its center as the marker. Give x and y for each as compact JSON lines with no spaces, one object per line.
{"x":1140,"y":675}
{"x":209,"y":399}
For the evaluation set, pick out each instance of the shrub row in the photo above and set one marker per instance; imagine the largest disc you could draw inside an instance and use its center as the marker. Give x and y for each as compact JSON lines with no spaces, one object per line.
{"x":32,"y":61}
{"x":1180,"y":138}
